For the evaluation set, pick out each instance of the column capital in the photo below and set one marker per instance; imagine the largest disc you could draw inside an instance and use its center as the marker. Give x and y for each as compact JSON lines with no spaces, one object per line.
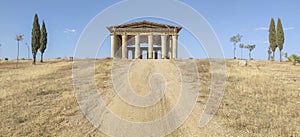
{"x":124,"y":35}
{"x":163,"y":34}
{"x":175,"y":35}
{"x":150,"y":35}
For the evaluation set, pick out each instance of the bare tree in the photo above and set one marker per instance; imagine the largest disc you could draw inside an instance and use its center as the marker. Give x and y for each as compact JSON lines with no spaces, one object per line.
{"x":19,"y":38}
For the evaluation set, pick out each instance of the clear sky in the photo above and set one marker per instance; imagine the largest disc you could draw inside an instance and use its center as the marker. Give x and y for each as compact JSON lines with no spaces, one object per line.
{"x":66,"y":20}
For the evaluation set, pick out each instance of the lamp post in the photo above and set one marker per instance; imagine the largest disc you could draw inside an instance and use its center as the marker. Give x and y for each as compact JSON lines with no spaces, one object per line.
{"x":19,"y":38}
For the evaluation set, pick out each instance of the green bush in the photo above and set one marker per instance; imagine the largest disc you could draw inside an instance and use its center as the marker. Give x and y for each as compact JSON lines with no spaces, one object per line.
{"x":294,"y":58}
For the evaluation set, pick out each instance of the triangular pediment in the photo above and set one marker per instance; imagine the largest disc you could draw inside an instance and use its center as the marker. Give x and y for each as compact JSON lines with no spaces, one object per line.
{"x":144,"y":24}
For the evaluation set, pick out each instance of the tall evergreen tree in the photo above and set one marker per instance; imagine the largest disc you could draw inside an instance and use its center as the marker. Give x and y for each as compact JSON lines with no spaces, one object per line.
{"x":272,"y":37}
{"x":280,"y":37}
{"x":35,"y":37}
{"x":43,"y":40}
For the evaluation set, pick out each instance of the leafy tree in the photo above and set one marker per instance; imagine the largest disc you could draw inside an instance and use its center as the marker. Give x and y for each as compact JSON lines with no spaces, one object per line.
{"x":272,"y":37}
{"x":280,"y":37}
{"x":294,"y":58}
{"x":43,"y":40}
{"x":250,"y":47}
{"x":235,"y":39}
{"x":35,"y":37}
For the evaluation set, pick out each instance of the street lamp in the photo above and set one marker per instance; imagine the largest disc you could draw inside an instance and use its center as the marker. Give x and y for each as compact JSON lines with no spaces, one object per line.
{"x":19,"y":38}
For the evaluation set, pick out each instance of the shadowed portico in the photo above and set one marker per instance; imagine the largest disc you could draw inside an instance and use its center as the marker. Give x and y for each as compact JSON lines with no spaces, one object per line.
{"x":161,"y":38}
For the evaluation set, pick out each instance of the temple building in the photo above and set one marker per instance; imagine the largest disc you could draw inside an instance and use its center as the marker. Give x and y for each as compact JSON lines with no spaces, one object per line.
{"x":161,"y":40}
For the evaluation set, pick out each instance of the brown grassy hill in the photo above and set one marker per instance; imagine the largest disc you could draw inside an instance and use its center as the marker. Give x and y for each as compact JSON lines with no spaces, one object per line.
{"x":261,"y":99}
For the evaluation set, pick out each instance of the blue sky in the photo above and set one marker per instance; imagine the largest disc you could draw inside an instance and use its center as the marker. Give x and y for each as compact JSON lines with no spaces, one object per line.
{"x":66,"y":20}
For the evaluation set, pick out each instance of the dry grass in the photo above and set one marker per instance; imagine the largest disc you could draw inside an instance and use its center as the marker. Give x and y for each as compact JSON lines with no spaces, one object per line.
{"x":39,"y":100}
{"x":261,"y":99}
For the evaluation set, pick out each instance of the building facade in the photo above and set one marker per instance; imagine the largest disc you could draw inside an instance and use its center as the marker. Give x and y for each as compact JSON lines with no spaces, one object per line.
{"x":160,"y":38}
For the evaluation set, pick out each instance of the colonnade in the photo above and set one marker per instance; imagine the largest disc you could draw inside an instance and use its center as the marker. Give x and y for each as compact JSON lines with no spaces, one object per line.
{"x":155,"y":54}
{"x":168,"y":46}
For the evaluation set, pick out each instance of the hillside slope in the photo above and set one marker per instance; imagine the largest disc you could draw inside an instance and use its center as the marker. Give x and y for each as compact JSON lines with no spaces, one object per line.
{"x":260,"y":99}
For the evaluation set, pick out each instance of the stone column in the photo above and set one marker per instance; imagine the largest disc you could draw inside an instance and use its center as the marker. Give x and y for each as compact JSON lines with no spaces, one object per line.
{"x":133,"y":52}
{"x":124,"y":47}
{"x":150,"y":46}
{"x":170,"y":48}
{"x":163,"y":46}
{"x":167,"y":47}
{"x":113,"y":43}
{"x":137,"y":47}
{"x":118,"y":52}
{"x":175,"y":45}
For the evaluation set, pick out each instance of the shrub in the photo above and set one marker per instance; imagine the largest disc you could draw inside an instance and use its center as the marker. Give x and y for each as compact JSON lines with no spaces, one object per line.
{"x":294,"y":58}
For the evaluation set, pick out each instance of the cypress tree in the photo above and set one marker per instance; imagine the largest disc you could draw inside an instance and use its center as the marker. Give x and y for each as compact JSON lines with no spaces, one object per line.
{"x":35,"y":37}
{"x":272,"y":37}
{"x":280,"y":37}
{"x":43,"y":40}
